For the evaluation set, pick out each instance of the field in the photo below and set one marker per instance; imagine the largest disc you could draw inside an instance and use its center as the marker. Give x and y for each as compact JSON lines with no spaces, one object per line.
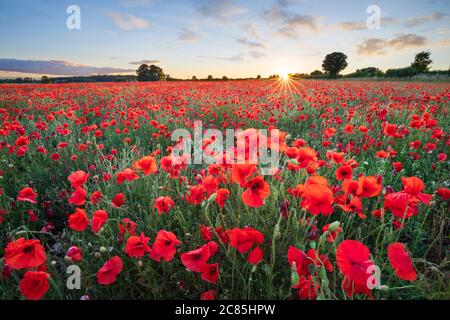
{"x":94,"y":205}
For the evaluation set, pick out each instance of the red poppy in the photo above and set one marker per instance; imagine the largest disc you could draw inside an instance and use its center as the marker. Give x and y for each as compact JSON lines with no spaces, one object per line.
{"x":78,"y":197}
{"x":110,"y":270}
{"x":78,"y":220}
{"x":78,"y":178}
{"x":401,"y":204}
{"x":118,"y":201}
{"x":300,"y":259}
{"x":165,"y":246}
{"x":444,"y":193}
{"x":205,"y":232}
{"x":210,"y":184}
{"x":137,"y":247}
{"x":257,"y":191}
{"x":368,"y":187}
{"x":74,"y":254}
{"x":96,"y":197}
{"x":306,"y":288}
{"x":163,"y":204}
{"x":24,"y":254}
{"x":353,"y":259}
{"x":222,"y":196}
{"x":34,"y":284}
{"x":146,"y":164}
{"x":414,"y":187}
{"x":194,"y":260}
{"x":317,"y":197}
{"x":244,"y":239}
{"x":344,"y":172}
{"x":99,"y":219}
{"x":210,"y":272}
{"x":241,"y":172}
{"x":255,"y":256}
{"x":27,"y":194}
{"x":401,"y":262}
{"x":126,"y":175}
{"x":208,"y":295}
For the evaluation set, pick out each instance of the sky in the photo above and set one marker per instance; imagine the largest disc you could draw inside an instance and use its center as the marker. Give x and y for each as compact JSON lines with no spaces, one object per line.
{"x":235,"y":38}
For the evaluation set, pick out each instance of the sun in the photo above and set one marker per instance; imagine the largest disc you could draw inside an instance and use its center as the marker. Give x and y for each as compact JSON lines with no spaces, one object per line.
{"x":284,"y":75}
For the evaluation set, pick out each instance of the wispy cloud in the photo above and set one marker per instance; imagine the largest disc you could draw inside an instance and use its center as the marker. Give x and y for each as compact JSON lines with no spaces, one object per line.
{"x":128,"y":21}
{"x":219,"y":9}
{"x":289,"y":24}
{"x":55,"y":67}
{"x":236,"y":57}
{"x":251,"y":43}
{"x":256,"y":54}
{"x":361,"y":25}
{"x":189,"y":35}
{"x":377,"y":46}
{"x":415,"y":21}
{"x":145,"y":62}
{"x":136,"y":3}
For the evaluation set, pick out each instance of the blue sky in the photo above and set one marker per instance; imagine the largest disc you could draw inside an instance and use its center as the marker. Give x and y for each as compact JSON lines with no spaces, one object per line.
{"x":235,"y":38}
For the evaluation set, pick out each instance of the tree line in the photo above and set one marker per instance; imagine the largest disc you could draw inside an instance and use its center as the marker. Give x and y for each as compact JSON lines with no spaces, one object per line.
{"x":332,"y":66}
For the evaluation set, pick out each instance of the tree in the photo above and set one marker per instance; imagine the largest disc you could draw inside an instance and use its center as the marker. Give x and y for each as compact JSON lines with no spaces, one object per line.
{"x":422,"y":61}
{"x":316,"y":73}
{"x":194,"y":78}
{"x":150,"y":73}
{"x":224,"y":78}
{"x":334,"y":63}
{"x":45,"y":79}
{"x":258,"y":77}
{"x":210,"y":78}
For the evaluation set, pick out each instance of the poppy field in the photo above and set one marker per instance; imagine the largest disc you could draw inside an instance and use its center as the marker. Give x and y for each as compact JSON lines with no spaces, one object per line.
{"x":94,"y":205}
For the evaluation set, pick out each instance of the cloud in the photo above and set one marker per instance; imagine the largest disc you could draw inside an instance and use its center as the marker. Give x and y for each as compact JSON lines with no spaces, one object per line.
{"x":415,"y":21}
{"x":189,"y":35}
{"x":145,"y":62}
{"x":237,"y":57}
{"x":219,"y":9}
{"x":55,"y":67}
{"x":128,"y":21}
{"x":377,"y":46}
{"x":290,"y":24}
{"x":250,"y":43}
{"x":362,"y":25}
{"x":256,"y":54}
{"x":251,"y":29}
{"x":136,"y":3}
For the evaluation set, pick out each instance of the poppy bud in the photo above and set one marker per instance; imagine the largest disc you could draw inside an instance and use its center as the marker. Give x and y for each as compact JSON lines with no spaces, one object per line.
{"x":384,"y":288}
{"x":212,"y":198}
{"x":103,"y":249}
{"x":295,"y":279}
{"x":334,"y":226}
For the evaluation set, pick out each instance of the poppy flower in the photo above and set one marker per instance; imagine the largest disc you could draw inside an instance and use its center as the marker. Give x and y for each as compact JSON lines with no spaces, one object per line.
{"x":99,"y":219}
{"x":241,"y":172}
{"x":126,"y":175}
{"x":255,"y":256}
{"x":163,"y":204}
{"x":110,"y":270}
{"x":244,"y":239}
{"x":78,"y":178}
{"x":208,"y":295}
{"x":368,"y":187}
{"x":401,"y":204}
{"x":306,"y":288}
{"x":24,"y":254}
{"x":196,"y":194}
{"x":444,"y":193}
{"x":96,"y":196}
{"x":34,"y":284}
{"x":210,"y":272}
{"x":74,"y":254}
{"x":27,"y":194}
{"x":146,"y":164}
{"x":344,"y":172}
{"x":300,"y":259}
{"x":353,"y":259}
{"x":317,"y":198}
{"x":210,"y":184}
{"x":78,"y":197}
{"x":414,"y":186}
{"x":78,"y":220}
{"x":401,"y":262}
{"x":137,"y":247}
{"x":118,"y":200}
{"x":165,"y":246}
{"x":194,"y":260}
{"x":222,"y":196}
{"x":257,"y":190}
